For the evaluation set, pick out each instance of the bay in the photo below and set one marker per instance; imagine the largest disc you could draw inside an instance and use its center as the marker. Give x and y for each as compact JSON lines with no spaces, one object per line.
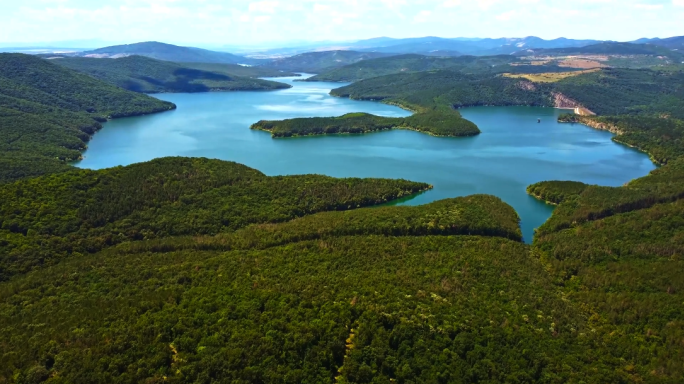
{"x":513,"y":151}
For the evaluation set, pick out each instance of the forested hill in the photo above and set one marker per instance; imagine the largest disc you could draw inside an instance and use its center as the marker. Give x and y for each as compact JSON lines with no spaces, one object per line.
{"x":85,"y":211}
{"x":607,"y":91}
{"x":186,"y":270}
{"x":411,"y":63}
{"x":169,"y":52}
{"x":618,"y":250}
{"x":143,"y":74}
{"x":438,"y":122}
{"x":605,"y":48}
{"x":48,"y":113}
{"x":316,"y":62}
{"x":445,"y":87}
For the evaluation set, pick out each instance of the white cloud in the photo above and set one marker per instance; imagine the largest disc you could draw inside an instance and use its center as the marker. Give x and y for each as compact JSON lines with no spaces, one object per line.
{"x":262,"y":19}
{"x":317,"y":7}
{"x":507,"y":15}
{"x":422,"y":16}
{"x":487,"y":4}
{"x":649,"y":7}
{"x":197,"y":22}
{"x":263,"y":6}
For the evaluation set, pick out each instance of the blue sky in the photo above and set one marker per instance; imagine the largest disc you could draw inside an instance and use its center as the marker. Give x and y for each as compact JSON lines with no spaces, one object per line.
{"x":243,"y":22}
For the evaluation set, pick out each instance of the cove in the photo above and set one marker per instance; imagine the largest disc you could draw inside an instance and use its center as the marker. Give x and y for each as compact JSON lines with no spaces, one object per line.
{"x":513,"y":151}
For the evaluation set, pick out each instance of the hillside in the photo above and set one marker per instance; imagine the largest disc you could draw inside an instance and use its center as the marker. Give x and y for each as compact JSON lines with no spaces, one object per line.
{"x":444,"y":87}
{"x":608,"y":91}
{"x":48,"y":113}
{"x":369,"y":293}
{"x":606,"y":48}
{"x":617,"y":249}
{"x":418,"y":63}
{"x":676,"y":42}
{"x":168,"y":52}
{"x":146,"y":75}
{"x":428,"y":45}
{"x":316,"y":62}
{"x":93,"y":210}
{"x":477,"y":47}
{"x":240,"y":70}
{"x":184,"y":270}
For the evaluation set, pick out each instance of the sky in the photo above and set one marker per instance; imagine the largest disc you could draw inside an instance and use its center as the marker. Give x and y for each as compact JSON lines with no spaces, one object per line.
{"x":269,"y":22}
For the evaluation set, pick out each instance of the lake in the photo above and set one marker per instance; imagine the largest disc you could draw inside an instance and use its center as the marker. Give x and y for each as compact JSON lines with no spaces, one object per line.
{"x":512,"y":152}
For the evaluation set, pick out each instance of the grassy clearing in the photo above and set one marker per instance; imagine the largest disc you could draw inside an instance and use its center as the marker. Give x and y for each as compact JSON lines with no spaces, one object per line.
{"x":549,"y":77}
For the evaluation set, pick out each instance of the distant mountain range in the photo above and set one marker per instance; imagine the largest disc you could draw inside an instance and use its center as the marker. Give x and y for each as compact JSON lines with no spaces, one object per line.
{"x":609,"y":48}
{"x":316,"y":59}
{"x":431,"y":45}
{"x":675,"y":43}
{"x":477,"y":47}
{"x":315,"y":62}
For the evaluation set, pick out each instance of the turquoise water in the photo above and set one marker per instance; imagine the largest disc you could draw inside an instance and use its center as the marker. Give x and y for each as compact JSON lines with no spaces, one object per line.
{"x":512,"y":152}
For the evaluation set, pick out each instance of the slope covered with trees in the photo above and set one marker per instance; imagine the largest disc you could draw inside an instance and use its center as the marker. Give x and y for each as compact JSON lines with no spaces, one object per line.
{"x":47,"y":219}
{"x":445,"y":87}
{"x":418,"y":63}
{"x":48,"y":113}
{"x":194,"y":270}
{"x":628,"y":91}
{"x":409,"y":63}
{"x":606,"y":92}
{"x":143,"y":74}
{"x":618,"y":250}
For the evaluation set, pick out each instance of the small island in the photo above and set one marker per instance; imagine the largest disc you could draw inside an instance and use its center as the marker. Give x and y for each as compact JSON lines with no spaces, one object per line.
{"x":445,"y":123}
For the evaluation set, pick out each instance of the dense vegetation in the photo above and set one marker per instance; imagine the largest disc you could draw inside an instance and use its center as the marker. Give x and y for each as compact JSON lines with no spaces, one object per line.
{"x":415,"y":309}
{"x":48,"y":113}
{"x":618,"y":250}
{"x":410,"y":63}
{"x":417,"y":63}
{"x":47,"y":219}
{"x":628,"y":91}
{"x":608,"y":48}
{"x":555,"y":192}
{"x":143,"y":74}
{"x":436,"y":122}
{"x":445,"y":87}
{"x":606,"y":92}
{"x":194,"y":270}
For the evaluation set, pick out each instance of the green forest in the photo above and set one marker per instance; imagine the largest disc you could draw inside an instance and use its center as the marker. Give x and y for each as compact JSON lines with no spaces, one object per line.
{"x":437,"y":122}
{"x":147,"y":75}
{"x":641,"y":92}
{"x":48,"y":113}
{"x":191,"y":270}
{"x":367,"y":69}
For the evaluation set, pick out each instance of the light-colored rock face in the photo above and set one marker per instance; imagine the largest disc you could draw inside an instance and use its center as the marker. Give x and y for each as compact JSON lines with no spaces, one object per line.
{"x":562,"y":101}
{"x":527,"y":85}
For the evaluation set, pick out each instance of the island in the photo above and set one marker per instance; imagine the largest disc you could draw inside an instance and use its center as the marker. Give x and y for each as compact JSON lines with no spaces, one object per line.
{"x":436,"y":123}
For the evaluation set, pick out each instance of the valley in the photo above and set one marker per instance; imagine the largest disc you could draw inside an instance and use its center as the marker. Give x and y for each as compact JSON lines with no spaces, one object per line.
{"x":418,"y":211}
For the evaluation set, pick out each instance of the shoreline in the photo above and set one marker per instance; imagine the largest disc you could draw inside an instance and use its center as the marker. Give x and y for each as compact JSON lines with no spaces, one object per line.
{"x":617,"y":132}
